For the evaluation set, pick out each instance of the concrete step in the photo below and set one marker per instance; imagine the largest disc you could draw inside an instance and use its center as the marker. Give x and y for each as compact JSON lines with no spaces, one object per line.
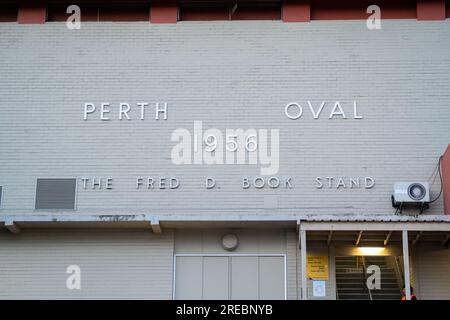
{"x":349,"y":259}
{"x":386,"y":282}
{"x":372,"y":258}
{"x":384,"y":286}
{"x":340,"y":273}
{"x":349,"y":275}
{"x":386,"y":290}
{"x":360,"y":275}
{"x":390,"y":285}
{"x":353,"y":297}
{"x":387,"y":298}
{"x":365,"y":296}
{"x":345,"y":266}
{"x":353,"y":290}
{"x":380,"y":264}
{"x":382,"y":269}
{"x":339,"y":281}
{"x":347,"y":282}
{"x":376,"y":260}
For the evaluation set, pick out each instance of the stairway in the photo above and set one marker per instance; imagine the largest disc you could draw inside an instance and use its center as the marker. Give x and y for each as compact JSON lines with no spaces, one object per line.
{"x":351,"y":283}
{"x":389,"y":286}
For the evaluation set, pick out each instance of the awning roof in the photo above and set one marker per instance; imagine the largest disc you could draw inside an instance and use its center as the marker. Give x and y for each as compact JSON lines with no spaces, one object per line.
{"x":374,"y":218}
{"x":305,"y":222}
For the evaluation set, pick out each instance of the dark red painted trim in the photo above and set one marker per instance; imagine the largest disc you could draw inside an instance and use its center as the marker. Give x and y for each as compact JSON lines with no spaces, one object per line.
{"x":204,"y":14}
{"x":8,"y":13}
{"x":32,"y":14}
{"x":225,"y":13}
{"x":338,"y":11}
{"x":138,"y":13}
{"x":88,"y":14}
{"x":257,"y":14}
{"x":349,"y":9}
{"x":445,"y":170}
{"x":59,"y":13}
{"x":164,"y":11}
{"x":431,"y":10}
{"x":296,"y":11}
{"x":168,"y":11}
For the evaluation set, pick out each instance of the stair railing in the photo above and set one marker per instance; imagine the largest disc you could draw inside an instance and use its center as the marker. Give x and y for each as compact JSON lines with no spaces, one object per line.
{"x":365,"y":276}
{"x":398,"y":274}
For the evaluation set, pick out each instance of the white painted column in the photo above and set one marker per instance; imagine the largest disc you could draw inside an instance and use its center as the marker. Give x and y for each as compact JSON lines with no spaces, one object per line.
{"x":332,"y":271}
{"x":406,"y":264}
{"x":303,"y":264}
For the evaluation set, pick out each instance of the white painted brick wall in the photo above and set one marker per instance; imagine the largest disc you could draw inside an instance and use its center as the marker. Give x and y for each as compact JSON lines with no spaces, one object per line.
{"x":118,"y":264}
{"x":230,"y":75}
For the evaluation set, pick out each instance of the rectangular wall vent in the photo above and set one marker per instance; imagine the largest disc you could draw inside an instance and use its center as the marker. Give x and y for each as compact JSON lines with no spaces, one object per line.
{"x":55,"y":193}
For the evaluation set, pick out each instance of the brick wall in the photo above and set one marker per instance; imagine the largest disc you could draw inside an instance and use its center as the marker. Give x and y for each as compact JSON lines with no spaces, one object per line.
{"x":229,"y":75}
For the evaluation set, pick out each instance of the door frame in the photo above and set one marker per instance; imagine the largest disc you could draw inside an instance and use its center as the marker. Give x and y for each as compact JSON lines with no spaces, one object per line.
{"x":283,"y":255}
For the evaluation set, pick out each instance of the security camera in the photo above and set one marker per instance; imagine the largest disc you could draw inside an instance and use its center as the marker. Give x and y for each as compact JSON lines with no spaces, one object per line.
{"x":411,"y":194}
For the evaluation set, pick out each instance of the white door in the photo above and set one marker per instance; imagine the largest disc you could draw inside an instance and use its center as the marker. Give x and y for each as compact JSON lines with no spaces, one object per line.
{"x":230,"y":277}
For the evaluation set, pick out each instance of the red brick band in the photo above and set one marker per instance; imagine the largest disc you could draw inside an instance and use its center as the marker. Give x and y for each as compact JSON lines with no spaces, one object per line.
{"x":32,"y":14}
{"x":296,"y":11}
{"x":430,"y":9}
{"x":164,"y":11}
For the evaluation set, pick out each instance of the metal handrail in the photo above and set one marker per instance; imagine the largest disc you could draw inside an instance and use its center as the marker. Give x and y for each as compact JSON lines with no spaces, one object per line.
{"x":365,"y":276}
{"x":399,"y":273}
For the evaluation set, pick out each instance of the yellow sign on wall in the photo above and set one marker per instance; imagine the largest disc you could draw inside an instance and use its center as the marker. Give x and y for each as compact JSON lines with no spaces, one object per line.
{"x":317,"y":267}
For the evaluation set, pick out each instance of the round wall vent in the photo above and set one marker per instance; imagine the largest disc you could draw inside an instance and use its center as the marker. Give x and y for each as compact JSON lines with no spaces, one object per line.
{"x":230,"y":242}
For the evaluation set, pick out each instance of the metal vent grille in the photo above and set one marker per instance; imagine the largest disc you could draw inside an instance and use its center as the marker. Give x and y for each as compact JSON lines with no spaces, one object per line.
{"x":55,"y":194}
{"x":1,"y":193}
